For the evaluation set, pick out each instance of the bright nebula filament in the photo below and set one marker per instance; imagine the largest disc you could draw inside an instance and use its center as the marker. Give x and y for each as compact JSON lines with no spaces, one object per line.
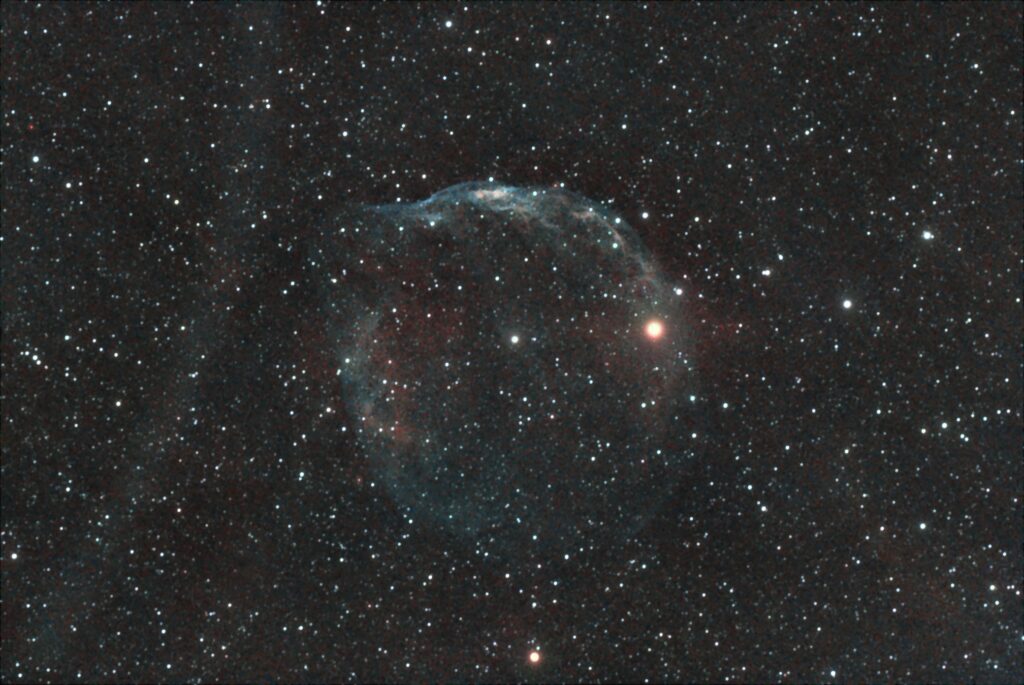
{"x":654,"y":329}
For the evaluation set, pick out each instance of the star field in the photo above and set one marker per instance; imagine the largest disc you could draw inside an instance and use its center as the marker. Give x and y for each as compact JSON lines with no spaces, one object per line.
{"x":511,"y":342}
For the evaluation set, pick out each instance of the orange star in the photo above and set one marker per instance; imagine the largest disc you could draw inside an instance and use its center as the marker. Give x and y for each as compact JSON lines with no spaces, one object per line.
{"x":654,"y":329}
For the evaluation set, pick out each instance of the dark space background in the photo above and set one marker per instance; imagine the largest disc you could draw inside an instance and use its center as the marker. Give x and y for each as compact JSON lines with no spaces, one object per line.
{"x":855,"y":513}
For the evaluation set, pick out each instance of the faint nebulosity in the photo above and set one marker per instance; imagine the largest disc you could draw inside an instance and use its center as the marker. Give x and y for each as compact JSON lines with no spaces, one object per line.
{"x":491,"y":356}
{"x":508,"y":341}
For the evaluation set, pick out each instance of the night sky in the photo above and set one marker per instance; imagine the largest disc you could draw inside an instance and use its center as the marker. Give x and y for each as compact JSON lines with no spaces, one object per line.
{"x":499,"y":342}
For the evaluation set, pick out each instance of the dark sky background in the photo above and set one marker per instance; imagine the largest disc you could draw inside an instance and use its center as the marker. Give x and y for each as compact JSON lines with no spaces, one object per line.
{"x":837,"y":188}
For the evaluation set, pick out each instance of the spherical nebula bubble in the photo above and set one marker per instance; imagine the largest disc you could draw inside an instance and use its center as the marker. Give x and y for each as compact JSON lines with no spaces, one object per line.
{"x":494,"y":354}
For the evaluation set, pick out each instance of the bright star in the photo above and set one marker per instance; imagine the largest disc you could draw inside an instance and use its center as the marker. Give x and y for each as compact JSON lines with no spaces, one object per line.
{"x":654,"y":329}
